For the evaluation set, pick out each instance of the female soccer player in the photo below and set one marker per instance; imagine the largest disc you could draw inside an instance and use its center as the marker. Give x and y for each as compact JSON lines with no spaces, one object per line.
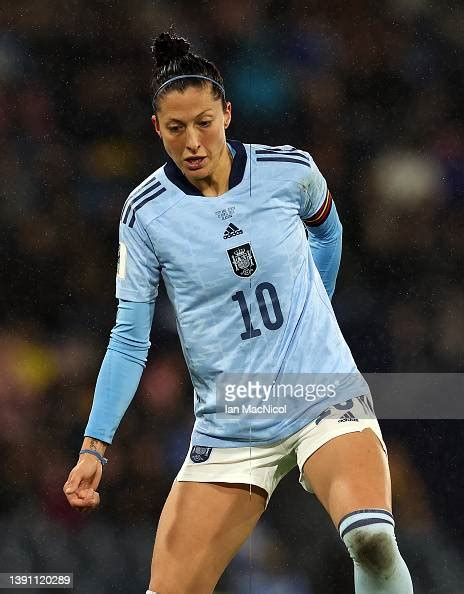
{"x":227,"y":225}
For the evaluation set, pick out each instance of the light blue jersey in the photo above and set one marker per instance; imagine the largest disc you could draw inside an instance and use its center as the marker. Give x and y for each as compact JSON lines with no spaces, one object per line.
{"x":240,"y":274}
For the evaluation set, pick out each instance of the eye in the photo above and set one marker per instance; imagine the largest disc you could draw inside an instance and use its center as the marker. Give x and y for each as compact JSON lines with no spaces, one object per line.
{"x":174,"y":129}
{"x":205,"y":123}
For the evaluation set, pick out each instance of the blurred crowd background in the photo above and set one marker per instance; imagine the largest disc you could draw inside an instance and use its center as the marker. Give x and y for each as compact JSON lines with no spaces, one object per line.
{"x":374,"y":91}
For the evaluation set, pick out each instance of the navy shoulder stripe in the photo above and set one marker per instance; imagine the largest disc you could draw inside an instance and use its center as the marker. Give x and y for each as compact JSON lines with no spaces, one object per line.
{"x":293,"y":153}
{"x":148,"y":191}
{"x":140,"y":188}
{"x":284,"y":159}
{"x":139,"y":199}
{"x":279,"y":149}
{"x":139,"y":205}
{"x":132,"y":201}
{"x":138,"y":193}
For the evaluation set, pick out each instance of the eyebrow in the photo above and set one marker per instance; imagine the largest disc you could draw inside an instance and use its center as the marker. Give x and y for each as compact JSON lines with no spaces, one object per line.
{"x":197,"y":116}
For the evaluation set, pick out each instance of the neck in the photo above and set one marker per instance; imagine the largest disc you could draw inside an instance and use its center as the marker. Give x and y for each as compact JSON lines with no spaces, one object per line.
{"x":218,"y":182}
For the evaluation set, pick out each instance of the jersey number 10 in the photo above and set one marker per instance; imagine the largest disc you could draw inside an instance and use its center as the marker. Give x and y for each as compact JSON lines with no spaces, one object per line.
{"x":250,"y":331}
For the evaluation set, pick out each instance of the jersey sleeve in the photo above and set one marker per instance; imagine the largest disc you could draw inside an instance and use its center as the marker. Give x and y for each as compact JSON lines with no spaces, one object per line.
{"x":138,"y":273}
{"x":121,"y":369}
{"x":315,"y":197}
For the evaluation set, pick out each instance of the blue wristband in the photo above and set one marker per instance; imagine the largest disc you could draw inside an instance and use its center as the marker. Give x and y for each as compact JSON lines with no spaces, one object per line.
{"x":102,"y":459}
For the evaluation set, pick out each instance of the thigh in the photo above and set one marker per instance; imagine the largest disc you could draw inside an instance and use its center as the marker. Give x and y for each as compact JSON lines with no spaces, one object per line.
{"x":201,"y":528}
{"x":350,"y":472}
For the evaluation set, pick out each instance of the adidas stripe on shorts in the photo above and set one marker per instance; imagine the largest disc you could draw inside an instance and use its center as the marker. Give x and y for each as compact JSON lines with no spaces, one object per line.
{"x":265,"y":466}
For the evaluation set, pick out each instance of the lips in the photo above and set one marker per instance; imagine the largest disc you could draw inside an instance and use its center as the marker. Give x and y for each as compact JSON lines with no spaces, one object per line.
{"x":194,"y":163}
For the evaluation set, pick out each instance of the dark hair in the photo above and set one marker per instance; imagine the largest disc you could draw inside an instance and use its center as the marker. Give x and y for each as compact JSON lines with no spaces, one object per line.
{"x":173,"y":57}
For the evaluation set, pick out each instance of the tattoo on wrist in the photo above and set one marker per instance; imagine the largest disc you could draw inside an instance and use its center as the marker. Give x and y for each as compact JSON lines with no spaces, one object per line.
{"x":93,"y":445}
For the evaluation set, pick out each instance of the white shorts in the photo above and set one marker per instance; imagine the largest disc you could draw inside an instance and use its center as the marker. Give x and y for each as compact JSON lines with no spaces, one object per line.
{"x":265,"y":466}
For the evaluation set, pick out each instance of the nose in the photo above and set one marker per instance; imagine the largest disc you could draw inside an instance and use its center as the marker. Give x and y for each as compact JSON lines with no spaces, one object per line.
{"x":192,"y":142}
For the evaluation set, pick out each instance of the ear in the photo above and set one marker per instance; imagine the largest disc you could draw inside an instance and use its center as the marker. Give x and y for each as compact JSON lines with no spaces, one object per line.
{"x":227,"y":114}
{"x":155,"y":122}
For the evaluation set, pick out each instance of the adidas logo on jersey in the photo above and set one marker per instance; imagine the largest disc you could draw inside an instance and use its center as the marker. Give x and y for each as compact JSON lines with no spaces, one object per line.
{"x":349,"y":416}
{"x":232,"y":231}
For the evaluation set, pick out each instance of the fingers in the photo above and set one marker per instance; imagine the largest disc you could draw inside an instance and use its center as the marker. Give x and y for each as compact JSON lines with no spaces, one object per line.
{"x":80,"y":497}
{"x":84,"y":499}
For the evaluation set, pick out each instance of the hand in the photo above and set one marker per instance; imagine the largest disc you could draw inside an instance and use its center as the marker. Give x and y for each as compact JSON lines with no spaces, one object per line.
{"x":83,"y":480}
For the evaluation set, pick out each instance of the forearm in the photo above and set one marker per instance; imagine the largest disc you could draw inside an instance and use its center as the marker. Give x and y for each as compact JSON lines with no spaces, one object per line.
{"x":121,"y":370}
{"x":325,"y":241}
{"x":116,"y":385}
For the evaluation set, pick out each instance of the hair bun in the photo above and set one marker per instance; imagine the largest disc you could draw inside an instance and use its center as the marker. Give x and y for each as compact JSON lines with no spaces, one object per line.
{"x":166,"y":49}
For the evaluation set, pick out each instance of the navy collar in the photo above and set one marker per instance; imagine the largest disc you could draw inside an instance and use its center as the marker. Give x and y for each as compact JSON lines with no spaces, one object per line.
{"x":175,"y":175}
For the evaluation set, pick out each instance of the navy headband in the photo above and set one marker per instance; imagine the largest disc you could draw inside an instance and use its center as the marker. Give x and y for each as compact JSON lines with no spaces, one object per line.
{"x":168,"y":82}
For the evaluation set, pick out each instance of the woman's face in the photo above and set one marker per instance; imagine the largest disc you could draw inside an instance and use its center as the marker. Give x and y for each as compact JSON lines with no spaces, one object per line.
{"x":192,"y":127}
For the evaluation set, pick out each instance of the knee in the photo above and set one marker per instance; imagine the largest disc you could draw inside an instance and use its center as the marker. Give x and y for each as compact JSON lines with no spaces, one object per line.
{"x":374,"y":548}
{"x":369,"y":536}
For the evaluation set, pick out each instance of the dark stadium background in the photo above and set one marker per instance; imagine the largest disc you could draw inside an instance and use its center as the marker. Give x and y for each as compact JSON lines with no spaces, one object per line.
{"x":374,"y":91}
